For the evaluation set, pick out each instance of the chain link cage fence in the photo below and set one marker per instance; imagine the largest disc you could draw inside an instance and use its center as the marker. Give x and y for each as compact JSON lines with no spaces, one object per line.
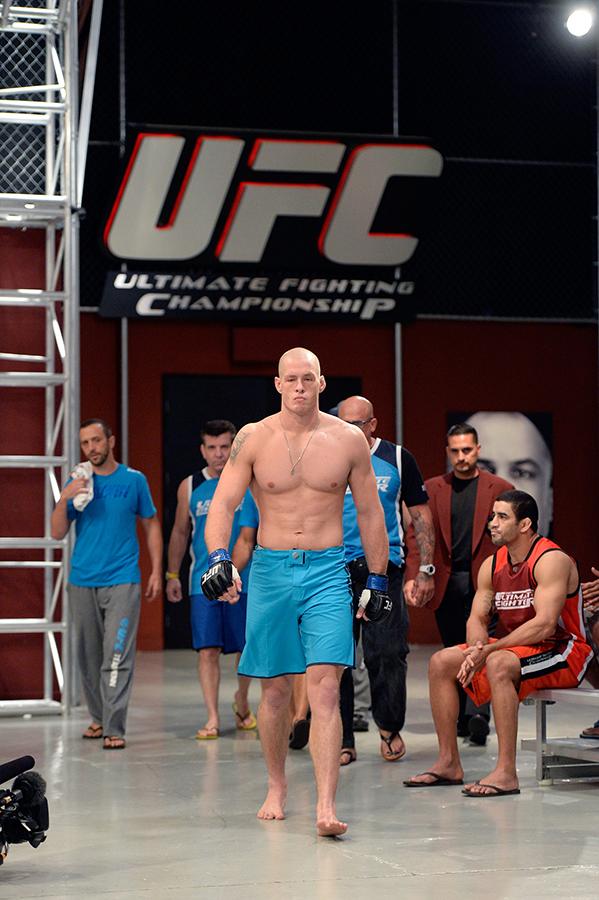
{"x":23,"y":63}
{"x":22,"y":161}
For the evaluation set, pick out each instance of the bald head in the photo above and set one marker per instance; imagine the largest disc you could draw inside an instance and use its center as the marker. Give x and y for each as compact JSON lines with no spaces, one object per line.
{"x":354,"y":408}
{"x":299,"y":382}
{"x":298,"y":356}
{"x":359,"y":411}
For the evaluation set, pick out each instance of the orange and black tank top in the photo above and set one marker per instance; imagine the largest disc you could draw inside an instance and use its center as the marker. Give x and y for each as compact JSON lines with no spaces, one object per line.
{"x":514,"y":588}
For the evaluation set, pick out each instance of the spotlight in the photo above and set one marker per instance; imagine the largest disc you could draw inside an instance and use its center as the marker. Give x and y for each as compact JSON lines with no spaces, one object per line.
{"x":580,"y":22}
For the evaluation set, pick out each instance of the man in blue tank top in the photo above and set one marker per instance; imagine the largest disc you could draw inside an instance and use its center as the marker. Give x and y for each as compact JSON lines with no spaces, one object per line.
{"x":398,"y":481}
{"x":216,"y":627}
{"x":104,"y":498}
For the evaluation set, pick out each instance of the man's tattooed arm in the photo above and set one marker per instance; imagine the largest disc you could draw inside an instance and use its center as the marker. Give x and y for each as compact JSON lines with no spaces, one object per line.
{"x":424,"y":532}
{"x":240,"y":439}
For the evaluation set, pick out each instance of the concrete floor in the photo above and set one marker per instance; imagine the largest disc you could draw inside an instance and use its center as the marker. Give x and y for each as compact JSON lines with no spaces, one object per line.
{"x":174,"y":817}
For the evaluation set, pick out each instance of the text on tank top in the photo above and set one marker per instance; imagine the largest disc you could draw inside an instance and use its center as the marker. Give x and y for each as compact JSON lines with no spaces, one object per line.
{"x":514,"y":588}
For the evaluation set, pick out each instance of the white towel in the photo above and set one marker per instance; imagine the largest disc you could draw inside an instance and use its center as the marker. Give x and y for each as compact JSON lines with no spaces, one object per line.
{"x":83,"y":470}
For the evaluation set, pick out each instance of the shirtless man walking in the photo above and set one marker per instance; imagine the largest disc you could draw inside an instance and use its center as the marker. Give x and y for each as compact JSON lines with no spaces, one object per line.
{"x":298,"y":464}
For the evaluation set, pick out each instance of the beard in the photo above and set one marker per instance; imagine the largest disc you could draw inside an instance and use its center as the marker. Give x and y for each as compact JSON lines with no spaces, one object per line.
{"x":102,"y":457}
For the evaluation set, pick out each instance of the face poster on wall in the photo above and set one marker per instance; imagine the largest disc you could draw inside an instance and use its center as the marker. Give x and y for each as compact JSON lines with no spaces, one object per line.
{"x":518,"y":447}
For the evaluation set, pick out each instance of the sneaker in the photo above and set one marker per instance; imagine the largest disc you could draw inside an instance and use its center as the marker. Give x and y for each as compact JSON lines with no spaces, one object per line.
{"x":478,"y":728}
{"x":592,"y":733}
{"x":361,"y":723}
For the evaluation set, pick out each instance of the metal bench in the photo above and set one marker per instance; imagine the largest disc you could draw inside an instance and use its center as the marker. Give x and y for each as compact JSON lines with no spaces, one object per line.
{"x":562,"y":758}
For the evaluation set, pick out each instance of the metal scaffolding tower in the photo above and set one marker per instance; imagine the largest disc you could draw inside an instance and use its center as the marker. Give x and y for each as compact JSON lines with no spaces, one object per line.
{"x":39,"y":190}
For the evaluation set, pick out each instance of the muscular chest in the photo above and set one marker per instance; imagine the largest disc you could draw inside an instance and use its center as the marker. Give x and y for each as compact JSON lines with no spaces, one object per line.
{"x":320,"y":468}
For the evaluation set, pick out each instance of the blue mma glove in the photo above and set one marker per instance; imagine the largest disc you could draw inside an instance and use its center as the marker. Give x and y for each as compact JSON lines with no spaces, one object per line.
{"x":220,"y":575}
{"x":375,"y":599}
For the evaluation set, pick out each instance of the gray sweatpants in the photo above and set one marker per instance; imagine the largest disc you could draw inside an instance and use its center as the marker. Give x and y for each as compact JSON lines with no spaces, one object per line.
{"x":106,"y":620}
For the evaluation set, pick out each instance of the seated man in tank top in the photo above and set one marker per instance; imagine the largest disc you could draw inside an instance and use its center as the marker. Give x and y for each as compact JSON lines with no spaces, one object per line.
{"x":534,"y":588}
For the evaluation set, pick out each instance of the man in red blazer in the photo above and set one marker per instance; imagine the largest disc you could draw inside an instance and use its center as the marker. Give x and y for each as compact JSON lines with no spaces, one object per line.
{"x":461,"y":503}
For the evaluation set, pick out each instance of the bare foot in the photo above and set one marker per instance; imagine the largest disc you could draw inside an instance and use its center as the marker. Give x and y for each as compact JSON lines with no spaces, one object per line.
{"x":274,"y":805}
{"x":93,"y":731}
{"x":246,"y":721}
{"x":347,"y":756}
{"x":494,"y":783}
{"x":114,"y":742}
{"x":329,"y":826}
{"x":208,"y":733}
{"x":453,"y":772}
{"x":241,"y":708}
{"x":392,"y":746}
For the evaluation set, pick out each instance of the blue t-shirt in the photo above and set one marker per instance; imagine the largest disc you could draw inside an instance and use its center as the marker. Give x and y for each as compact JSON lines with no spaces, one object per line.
{"x":106,"y":547}
{"x":397,"y":478}
{"x":201,"y":492}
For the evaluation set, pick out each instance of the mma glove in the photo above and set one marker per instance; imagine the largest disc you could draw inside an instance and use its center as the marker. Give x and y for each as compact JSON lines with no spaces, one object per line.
{"x":220,"y":575}
{"x":375,"y":599}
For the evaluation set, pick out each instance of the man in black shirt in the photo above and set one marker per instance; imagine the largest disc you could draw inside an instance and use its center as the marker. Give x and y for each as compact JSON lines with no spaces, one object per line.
{"x":461,"y":503}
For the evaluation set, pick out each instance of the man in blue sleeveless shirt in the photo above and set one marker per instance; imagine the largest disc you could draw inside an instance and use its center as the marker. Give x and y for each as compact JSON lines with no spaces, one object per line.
{"x":398,"y":481}
{"x":216,"y":627}
{"x":104,"y":583}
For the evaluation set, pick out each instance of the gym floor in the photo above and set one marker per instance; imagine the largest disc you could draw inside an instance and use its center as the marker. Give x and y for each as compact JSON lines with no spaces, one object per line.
{"x":174,"y":817}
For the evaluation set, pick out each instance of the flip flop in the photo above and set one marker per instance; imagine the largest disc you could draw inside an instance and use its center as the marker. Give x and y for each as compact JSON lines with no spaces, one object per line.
{"x":207,"y":734}
{"x":92,"y":732}
{"x":114,"y":742}
{"x":300,"y":733}
{"x":351,"y":755}
{"x":440,"y":781}
{"x":498,"y":792}
{"x":249,"y":715}
{"x":392,"y":755}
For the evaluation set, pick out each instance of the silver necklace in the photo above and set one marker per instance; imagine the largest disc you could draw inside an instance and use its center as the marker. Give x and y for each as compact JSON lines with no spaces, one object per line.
{"x":299,"y":459}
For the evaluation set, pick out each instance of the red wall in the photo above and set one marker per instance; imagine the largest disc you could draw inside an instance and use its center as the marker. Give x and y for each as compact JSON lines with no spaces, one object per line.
{"x":22,"y":433}
{"x":446,"y":366}
{"x":530,"y":367}
{"x":212,"y":348}
{"x":217,"y":348}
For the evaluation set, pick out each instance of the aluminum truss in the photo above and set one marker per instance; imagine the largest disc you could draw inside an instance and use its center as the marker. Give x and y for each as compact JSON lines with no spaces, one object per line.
{"x":38,"y":189}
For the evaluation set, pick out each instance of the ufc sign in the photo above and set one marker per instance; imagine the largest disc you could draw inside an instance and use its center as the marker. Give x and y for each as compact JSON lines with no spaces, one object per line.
{"x":225,"y":202}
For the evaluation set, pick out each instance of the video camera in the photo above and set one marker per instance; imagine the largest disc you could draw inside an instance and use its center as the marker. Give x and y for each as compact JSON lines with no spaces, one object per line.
{"x":23,"y":808}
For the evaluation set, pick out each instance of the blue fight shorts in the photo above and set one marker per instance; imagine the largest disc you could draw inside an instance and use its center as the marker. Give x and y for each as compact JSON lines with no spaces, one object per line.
{"x":215,"y":623}
{"x":299,"y":612}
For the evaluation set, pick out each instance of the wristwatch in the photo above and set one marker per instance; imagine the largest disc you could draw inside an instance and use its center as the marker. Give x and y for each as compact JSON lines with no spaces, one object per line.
{"x":427,"y":570}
